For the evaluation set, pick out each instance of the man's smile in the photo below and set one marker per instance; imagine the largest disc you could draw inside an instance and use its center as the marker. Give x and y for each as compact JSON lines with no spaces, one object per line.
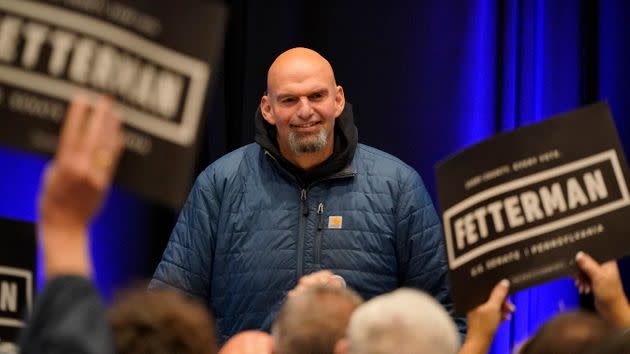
{"x":305,"y":126}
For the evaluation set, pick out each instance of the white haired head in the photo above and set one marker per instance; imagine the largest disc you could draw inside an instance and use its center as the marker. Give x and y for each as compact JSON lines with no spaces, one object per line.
{"x":405,"y":321}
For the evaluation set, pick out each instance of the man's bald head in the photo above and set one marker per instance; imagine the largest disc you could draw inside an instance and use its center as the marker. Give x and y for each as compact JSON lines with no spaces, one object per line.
{"x":299,"y":63}
{"x":302,"y":102}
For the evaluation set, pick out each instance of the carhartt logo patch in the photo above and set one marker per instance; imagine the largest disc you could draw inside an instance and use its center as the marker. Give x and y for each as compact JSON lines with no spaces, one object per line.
{"x":335,"y":222}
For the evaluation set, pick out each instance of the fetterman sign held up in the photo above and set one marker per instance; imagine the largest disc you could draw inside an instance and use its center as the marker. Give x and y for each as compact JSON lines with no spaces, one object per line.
{"x":522,"y":204}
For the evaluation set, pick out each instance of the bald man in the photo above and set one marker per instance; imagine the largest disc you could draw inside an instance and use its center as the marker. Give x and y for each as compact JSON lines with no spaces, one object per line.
{"x":305,"y":197}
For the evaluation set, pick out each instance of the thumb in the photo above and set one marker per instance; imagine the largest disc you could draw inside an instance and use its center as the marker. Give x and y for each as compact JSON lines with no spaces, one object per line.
{"x":586,"y":264}
{"x":499,"y":293}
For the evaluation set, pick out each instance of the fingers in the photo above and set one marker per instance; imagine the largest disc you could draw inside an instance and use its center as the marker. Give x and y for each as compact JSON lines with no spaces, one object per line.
{"x":320,"y":278}
{"x":587,"y":264}
{"x":101,"y":142}
{"x":338,"y":281}
{"x":71,"y":130}
{"x":499,"y":301}
{"x":90,"y":145}
{"x":93,"y":135}
{"x":97,"y":127}
{"x":589,"y":268}
{"x":498,"y":298}
{"x":582,"y":283}
{"x":108,"y":147}
{"x":507,"y":309}
{"x":500,"y":292}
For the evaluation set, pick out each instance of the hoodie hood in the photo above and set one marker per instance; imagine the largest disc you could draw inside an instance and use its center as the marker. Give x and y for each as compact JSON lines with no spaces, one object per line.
{"x":346,"y":139}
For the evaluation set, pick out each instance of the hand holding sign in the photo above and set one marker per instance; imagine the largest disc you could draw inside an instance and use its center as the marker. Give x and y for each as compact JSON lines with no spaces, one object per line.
{"x":605,"y":281}
{"x":484,"y":320}
{"x":76,"y":183}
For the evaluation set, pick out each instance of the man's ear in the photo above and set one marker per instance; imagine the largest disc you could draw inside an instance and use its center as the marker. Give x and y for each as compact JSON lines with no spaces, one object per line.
{"x":265,"y":109}
{"x":340,"y":101}
{"x":341,"y":347}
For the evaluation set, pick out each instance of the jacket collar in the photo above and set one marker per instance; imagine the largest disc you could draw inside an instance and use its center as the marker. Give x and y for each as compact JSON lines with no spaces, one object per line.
{"x":346,"y":140}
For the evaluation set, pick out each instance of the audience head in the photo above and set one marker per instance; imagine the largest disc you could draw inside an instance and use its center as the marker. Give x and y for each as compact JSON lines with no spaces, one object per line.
{"x":161,"y":322}
{"x":613,"y":343}
{"x":249,"y":342}
{"x":312,"y":321}
{"x":403,"y":321}
{"x":573,"y":332}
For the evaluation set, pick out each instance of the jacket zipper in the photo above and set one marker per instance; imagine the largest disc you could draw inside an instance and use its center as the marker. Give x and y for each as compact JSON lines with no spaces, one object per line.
{"x":318,"y":235}
{"x":302,"y":226}
{"x":346,"y":172}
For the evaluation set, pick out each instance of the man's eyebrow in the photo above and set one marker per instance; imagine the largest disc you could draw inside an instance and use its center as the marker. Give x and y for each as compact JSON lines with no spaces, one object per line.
{"x":284,"y":95}
{"x":322,"y":91}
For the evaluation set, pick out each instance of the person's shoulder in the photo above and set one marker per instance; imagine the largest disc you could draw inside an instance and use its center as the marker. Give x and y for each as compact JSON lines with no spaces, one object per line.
{"x":380,"y":160}
{"x":229,"y":164}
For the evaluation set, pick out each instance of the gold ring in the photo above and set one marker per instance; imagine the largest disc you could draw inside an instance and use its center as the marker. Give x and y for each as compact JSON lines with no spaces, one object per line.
{"x":103,"y":159}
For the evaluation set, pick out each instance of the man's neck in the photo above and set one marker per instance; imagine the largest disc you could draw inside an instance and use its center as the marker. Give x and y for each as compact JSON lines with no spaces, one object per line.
{"x":306,"y":161}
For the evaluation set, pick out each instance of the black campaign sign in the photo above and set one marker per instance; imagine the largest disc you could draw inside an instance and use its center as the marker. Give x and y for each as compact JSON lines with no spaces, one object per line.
{"x":17,"y":274}
{"x":522,"y":204}
{"x":154,"y":57}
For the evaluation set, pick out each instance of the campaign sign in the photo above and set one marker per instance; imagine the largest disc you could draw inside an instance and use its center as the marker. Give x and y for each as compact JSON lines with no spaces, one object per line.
{"x":155,"y":58}
{"x":521,"y":205}
{"x":17,"y":276}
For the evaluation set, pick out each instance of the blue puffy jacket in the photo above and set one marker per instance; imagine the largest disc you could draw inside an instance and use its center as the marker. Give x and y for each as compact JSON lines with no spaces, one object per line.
{"x":248,"y":232}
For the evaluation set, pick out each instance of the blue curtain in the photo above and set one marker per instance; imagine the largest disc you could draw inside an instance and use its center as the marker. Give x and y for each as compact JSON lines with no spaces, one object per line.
{"x":526,"y":60}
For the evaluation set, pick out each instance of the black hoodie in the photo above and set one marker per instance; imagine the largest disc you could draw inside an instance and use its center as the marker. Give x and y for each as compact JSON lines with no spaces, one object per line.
{"x":346,"y":139}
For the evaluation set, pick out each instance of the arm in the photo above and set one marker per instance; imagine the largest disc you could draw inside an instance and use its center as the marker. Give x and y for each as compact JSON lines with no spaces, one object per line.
{"x":75,"y":185}
{"x":605,"y":282}
{"x":69,"y":316}
{"x":421,"y":253}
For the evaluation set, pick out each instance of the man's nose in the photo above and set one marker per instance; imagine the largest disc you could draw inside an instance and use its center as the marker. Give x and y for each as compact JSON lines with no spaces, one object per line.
{"x":305,"y":110}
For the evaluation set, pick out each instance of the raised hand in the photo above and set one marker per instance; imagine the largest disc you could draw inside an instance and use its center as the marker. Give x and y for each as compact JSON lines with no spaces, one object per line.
{"x":605,"y":282}
{"x":75,"y":183}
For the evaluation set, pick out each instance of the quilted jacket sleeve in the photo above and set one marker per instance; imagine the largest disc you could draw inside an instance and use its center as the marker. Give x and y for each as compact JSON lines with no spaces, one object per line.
{"x":186,"y":264}
{"x":422,"y":255}
{"x":68,"y":317}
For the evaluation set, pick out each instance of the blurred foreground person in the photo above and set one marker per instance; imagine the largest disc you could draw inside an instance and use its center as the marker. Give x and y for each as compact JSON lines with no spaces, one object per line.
{"x":249,"y":342}
{"x":569,"y":333}
{"x":405,"y":321}
{"x":69,"y":316}
{"x":313,"y":319}
{"x":408,"y":321}
{"x":160,"y":322}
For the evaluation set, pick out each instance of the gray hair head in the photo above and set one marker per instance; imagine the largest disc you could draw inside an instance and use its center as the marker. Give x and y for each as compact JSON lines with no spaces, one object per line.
{"x":405,"y":321}
{"x":312,"y":321}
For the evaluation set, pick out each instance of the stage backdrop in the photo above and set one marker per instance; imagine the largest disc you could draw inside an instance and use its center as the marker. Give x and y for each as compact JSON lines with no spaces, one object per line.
{"x":426,"y":78}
